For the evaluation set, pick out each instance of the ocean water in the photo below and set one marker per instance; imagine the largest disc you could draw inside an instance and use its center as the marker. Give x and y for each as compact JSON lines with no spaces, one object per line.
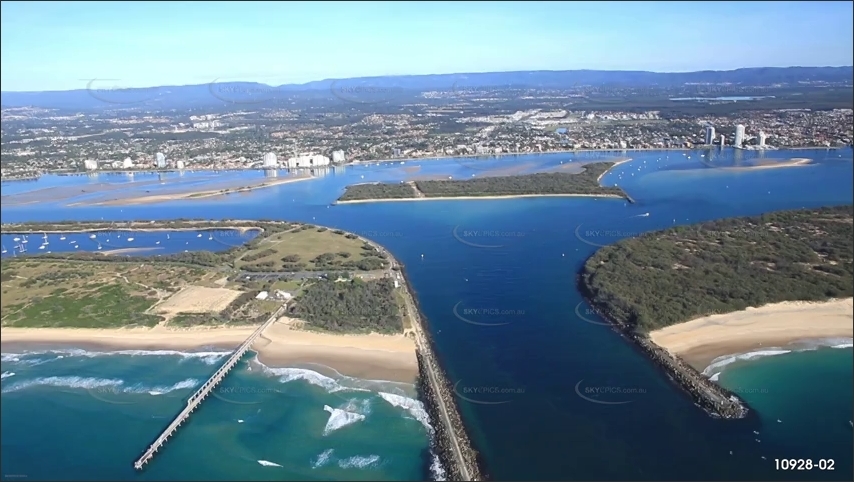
{"x":546,"y":389}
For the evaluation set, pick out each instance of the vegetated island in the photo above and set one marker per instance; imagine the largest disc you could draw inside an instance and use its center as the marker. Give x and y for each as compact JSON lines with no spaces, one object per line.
{"x":583,"y":184}
{"x":335,"y":283}
{"x":728,"y":286}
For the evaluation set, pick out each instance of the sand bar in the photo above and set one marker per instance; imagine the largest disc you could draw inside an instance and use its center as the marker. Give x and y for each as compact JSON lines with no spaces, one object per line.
{"x":373,"y":356}
{"x":700,"y":341}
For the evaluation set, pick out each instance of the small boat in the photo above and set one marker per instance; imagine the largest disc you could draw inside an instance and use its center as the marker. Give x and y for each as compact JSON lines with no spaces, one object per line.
{"x":62,"y":238}
{"x":99,"y":245}
{"x":130,"y":239}
{"x":4,"y":249}
{"x":92,"y":236}
{"x":45,"y":239}
{"x":158,"y":242}
{"x":16,"y":239}
{"x":167,"y":235}
{"x":210,"y":236}
{"x":25,"y":240}
{"x":199,"y":235}
{"x":41,"y":247}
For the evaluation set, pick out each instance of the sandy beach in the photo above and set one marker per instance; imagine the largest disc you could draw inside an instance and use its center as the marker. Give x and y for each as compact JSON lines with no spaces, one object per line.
{"x":373,"y":356}
{"x":156,"y":198}
{"x":454,"y":198}
{"x":700,"y":341}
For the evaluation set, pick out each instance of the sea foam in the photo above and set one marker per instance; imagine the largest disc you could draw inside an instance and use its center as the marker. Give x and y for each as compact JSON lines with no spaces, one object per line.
{"x":412,"y":406}
{"x":90,"y":383}
{"x":359,"y":461}
{"x":340,"y":418}
{"x":32,"y":358}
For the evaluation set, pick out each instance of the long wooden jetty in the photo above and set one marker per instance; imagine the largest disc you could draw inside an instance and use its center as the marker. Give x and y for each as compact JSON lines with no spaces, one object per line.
{"x":197,"y":398}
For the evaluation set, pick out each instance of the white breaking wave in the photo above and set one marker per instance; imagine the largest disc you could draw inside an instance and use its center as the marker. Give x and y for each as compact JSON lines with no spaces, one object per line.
{"x":32,"y":357}
{"x":339,"y":418}
{"x":411,"y":405}
{"x":292,"y":374}
{"x":359,"y":462}
{"x":89,"y":383}
{"x":267,"y":463}
{"x":715,"y":377}
{"x":718,"y":363}
{"x":323,"y":458}
{"x":7,"y":375}
{"x":86,"y":383}
{"x":436,"y":469}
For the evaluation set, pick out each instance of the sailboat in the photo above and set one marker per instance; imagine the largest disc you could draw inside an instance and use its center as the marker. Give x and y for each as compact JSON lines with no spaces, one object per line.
{"x":4,"y":249}
{"x":210,"y":237}
{"x":167,"y":235}
{"x":199,"y":235}
{"x":62,"y":238}
{"x":25,"y":240}
{"x":92,"y":236}
{"x":99,"y":245}
{"x":45,"y":240}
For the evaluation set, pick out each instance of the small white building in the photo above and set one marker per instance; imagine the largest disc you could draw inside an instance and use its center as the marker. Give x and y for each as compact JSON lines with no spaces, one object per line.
{"x":179,"y":164}
{"x":283,"y":295}
{"x":127,"y":163}
{"x":338,"y":157}
{"x":262,"y":295}
{"x":90,"y":165}
{"x":160,"y":160}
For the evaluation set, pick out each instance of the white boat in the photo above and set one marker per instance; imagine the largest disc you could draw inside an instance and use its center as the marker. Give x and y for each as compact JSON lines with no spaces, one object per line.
{"x":16,"y":239}
{"x":99,"y":245}
{"x":130,"y":239}
{"x":92,"y":236}
{"x":199,"y":235}
{"x":167,"y":235}
{"x":4,"y":249}
{"x":62,"y":238}
{"x":210,"y":236}
{"x":158,"y":242}
{"x":25,"y":240}
{"x":45,"y":239}
{"x":41,"y":247}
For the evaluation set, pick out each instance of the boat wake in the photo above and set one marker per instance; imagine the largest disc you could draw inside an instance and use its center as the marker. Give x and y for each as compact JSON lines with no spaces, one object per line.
{"x":267,"y":463}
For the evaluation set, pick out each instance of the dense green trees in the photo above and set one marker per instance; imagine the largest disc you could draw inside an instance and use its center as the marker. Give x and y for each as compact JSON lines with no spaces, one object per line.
{"x":585,"y":182}
{"x":353,"y":306}
{"x":679,"y":274}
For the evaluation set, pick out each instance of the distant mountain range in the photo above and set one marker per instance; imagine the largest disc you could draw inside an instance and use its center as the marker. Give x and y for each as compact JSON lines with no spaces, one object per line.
{"x":100,"y":94}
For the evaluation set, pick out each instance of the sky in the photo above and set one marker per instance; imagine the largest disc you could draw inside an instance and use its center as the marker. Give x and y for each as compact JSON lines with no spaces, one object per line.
{"x":65,"y":45}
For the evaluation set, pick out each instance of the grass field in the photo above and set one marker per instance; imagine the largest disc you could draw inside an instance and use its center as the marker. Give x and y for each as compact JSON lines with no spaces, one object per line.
{"x":310,"y":248}
{"x":59,"y":293}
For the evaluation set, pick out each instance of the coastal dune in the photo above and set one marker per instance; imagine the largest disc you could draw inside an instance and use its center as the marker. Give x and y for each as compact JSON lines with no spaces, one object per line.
{"x":700,"y":341}
{"x":371,"y":356}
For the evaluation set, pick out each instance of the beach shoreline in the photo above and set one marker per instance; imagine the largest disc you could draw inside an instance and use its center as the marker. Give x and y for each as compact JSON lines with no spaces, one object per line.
{"x":371,"y":356}
{"x":192,"y":195}
{"x":784,"y":325}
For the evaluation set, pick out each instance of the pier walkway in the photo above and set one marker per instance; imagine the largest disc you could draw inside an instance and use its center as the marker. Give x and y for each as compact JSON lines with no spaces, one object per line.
{"x":196,"y":399}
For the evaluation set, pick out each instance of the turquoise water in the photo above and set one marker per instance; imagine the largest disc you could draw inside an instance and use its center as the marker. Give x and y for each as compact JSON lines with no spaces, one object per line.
{"x":496,"y":280}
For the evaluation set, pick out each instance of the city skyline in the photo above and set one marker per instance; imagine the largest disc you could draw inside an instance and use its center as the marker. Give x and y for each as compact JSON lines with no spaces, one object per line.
{"x":145,"y":44}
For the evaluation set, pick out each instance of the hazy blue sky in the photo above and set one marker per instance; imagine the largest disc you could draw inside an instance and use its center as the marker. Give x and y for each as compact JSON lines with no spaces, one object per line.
{"x":58,"y":46}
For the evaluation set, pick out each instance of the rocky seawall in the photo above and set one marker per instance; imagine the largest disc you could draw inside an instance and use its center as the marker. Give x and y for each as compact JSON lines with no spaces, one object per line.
{"x":708,"y":395}
{"x":450,"y":440}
